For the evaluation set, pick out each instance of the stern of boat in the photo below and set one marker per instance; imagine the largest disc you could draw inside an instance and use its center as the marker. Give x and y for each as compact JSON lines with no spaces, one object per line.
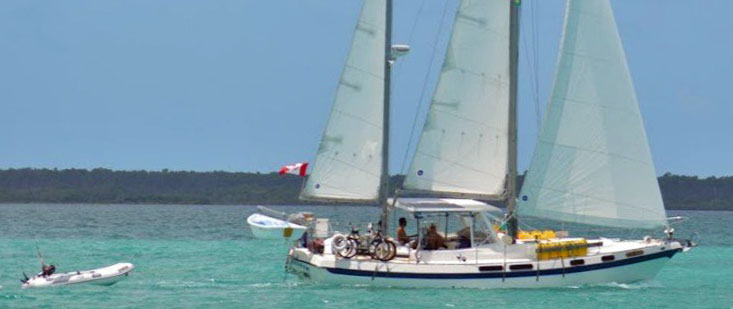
{"x":298,"y":262}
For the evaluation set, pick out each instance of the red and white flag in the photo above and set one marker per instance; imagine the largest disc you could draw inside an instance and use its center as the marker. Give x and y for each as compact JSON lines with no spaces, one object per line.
{"x":297,"y":169}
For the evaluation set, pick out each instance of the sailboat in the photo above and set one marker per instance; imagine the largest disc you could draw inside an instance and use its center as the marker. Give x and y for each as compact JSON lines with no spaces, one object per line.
{"x":592,"y":164}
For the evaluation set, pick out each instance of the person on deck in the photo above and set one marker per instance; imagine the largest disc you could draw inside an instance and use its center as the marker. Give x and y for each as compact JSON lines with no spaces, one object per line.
{"x":434,"y":240}
{"x":402,"y":237}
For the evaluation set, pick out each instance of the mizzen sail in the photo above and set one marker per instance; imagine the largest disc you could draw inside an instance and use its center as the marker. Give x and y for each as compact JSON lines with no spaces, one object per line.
{"x":464,"y":142}
{"x":348,"y":164}
{"x":592,"y":163}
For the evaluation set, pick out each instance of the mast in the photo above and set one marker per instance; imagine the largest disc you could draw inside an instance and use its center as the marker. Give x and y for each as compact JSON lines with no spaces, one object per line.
{"x":511,"y":190}
{"x":384,"y":183}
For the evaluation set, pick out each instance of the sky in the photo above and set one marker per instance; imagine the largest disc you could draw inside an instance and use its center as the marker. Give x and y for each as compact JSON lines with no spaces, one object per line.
{"x":245,"y":85}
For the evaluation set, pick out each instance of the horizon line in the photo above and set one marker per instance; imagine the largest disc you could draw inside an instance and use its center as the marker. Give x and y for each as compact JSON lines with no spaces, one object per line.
{"x":166,"y":170}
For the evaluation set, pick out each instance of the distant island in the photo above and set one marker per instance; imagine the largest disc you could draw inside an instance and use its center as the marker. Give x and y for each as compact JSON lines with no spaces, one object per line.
{"x":104,"y":186}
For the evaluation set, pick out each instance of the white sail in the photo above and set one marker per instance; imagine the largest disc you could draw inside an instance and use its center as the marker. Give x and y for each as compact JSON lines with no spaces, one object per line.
{"x":592,"y":163}
{"x":464,"y":143}
{"x":348,"y":164}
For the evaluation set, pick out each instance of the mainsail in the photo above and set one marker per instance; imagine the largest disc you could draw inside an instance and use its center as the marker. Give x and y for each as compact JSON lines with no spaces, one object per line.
{"x":463,"y":145}
{"x":348,"y":164}
{"x":592,"y":163}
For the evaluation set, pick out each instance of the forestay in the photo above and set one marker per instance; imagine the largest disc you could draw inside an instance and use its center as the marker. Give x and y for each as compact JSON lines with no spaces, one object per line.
{"x":463,"y":145}
{"x":592,"y":163}
{"x":349,"y":159}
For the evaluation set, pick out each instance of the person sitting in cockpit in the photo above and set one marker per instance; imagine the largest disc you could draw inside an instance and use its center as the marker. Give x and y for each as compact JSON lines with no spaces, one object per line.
{"x":434,"y":240}
{"x":402,"y":237}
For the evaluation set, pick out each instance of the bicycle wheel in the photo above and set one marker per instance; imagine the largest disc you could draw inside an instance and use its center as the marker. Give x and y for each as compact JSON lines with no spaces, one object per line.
{"x":392,"y":250}
{"x":339,"y":244}
{"x":384,"y":251}
{"x":352,"y":248}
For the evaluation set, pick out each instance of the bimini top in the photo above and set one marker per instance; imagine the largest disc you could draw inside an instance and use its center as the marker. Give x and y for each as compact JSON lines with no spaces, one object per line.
{"x":426,"y":205}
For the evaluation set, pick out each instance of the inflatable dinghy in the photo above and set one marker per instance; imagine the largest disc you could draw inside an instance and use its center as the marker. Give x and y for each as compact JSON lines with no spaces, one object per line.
{"x":264,"y":227}
{"x":102,"y":276}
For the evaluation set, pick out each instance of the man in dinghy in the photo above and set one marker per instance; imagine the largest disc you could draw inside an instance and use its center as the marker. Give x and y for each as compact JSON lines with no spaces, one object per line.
{"x":46,"y":270}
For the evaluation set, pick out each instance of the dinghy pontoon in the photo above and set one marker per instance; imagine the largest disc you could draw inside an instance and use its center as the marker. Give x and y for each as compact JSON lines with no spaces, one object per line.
{"x":102,"y":276}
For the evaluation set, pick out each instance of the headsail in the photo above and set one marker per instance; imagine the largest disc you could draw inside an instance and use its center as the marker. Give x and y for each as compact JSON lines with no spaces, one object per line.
{"x":592,"y":163}
{"x":463,"y":146}
{"x":348,"y":164}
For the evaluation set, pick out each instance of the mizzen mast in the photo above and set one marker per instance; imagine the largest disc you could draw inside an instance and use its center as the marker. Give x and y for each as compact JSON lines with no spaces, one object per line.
{"x":511,"y":181}
{"x":384,"y":182}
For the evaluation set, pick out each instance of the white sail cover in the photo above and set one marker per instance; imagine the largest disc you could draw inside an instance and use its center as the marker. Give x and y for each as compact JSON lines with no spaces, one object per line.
{"x":348,"y":163}
{"x":464,"y":143}
{"x":592,"y":163}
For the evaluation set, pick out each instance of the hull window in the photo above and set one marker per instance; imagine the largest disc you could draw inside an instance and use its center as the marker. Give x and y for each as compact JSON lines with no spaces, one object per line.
{"x":577,"y":262}
{"x":634,"y":253}
{"x":491,"y":268}
{"x":521,"y":267}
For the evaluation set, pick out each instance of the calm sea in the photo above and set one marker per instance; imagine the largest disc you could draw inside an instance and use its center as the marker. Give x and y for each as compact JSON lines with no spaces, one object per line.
{"x":204,"y":256}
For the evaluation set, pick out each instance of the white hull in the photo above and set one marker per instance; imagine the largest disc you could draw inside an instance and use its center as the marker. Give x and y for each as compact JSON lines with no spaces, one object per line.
{"x":264,"y":227}
{"x":101,"y":276}
{"x":450,"y":274}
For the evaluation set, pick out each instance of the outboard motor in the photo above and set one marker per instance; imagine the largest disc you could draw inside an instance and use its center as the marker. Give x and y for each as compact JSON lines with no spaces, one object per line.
{"x":303,"y":241}
{"x":25,"y":278}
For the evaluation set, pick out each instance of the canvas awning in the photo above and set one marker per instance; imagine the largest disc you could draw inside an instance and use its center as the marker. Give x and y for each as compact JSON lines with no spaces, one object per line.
{"x":447,"y":205}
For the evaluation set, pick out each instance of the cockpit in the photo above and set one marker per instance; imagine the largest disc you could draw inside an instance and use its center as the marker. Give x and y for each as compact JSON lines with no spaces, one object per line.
{"x":439,"y":224}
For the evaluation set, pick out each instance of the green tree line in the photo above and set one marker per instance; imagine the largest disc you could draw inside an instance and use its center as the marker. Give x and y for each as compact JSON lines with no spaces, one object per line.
{"x":28,"y":185}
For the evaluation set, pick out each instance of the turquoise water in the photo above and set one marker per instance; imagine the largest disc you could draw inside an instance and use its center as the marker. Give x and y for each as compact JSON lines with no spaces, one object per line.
{"x":200,"y":256}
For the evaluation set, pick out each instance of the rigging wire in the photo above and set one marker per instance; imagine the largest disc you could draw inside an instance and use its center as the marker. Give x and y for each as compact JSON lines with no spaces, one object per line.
{"x":535,"y":36}
{"x":424,"y":86}
{"x":409,"y":38}
{"x":532,"y":58}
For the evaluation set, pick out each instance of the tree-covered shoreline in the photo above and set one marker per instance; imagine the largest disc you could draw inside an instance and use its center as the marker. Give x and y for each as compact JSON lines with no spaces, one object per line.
{"x":104,"y":186}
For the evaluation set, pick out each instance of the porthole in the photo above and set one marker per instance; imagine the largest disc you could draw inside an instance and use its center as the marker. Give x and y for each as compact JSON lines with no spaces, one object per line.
{"x":521,"y":266}
{"x":491,"y":268}
{"x":577,"y":262}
